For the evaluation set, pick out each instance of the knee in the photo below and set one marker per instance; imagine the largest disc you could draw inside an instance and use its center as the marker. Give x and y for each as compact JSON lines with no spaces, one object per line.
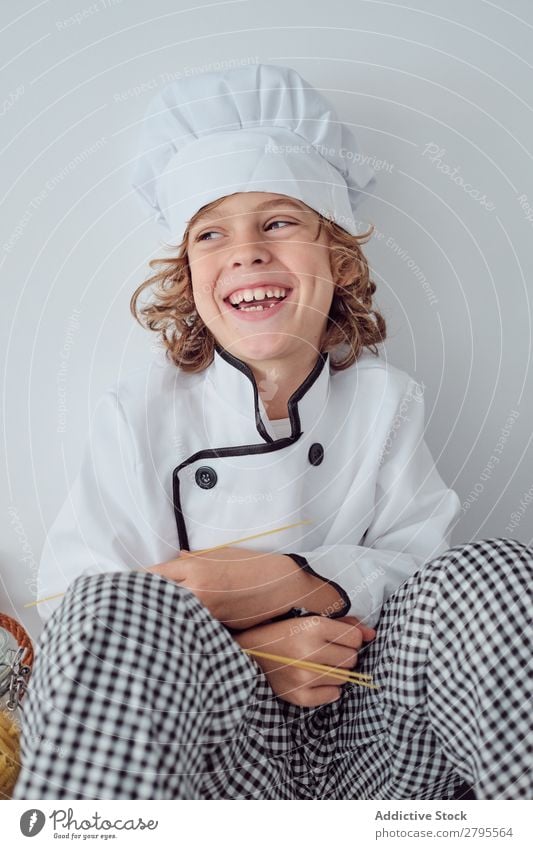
{"x":111,"y":595}
{"x":486,"y":565}
{"x":495,"y":556}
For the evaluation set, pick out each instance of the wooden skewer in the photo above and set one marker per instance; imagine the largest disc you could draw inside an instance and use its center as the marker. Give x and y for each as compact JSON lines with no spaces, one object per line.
{"x":348,"y":676}
{"x":253,"y":536}
{"x":202,"y":551}
{"x":41,"y":600}
{"x":320,"y":667}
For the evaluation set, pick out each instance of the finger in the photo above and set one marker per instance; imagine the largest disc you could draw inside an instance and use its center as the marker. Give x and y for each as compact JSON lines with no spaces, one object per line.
{"x":322,"y":696}
{"x":343,"y":634}
{"x":154,"y":569}
{"x":317,"y":678}
{"x":335,"y":655}
{"x":367,"y":632}
{"x":167,"y":570}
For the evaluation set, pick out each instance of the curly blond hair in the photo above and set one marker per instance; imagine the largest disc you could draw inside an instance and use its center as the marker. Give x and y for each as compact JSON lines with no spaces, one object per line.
{"x":190,"y":344}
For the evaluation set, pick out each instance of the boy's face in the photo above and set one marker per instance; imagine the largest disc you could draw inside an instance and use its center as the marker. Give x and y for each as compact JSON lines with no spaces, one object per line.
{"x":244,"y":246}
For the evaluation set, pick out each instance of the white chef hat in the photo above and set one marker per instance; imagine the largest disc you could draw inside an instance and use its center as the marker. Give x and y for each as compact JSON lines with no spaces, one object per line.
{"x":258,"y":128}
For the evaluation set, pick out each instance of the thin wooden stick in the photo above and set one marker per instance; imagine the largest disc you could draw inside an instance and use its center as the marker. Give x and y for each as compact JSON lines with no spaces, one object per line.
{"x":320,"y":667}
{"x":254,"y":536}
{"x":42,"y":600}
{"x":347,"y":676}
{"x":201,"y":551}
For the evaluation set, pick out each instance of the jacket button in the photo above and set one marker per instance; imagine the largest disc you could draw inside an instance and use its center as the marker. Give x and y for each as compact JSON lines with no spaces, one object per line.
{"x":206,"y":477}
{"x":316,"y":454}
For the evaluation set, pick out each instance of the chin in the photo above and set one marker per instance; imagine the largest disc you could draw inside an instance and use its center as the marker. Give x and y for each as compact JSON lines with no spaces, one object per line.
{"x":258,"y":348}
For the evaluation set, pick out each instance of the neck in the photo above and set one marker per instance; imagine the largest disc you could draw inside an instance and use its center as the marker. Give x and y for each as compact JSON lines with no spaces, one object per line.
{"x":278,"y":380}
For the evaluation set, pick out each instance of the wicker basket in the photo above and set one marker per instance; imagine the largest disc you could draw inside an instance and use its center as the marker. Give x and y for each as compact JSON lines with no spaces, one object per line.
{"x":9,"y":705}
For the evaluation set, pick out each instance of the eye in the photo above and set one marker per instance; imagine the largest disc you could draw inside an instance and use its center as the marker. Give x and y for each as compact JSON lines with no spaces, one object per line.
{"x":280,"y":221}
{"x":201,"y":237}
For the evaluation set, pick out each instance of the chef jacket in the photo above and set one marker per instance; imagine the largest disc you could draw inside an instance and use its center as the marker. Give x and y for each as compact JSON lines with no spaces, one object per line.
{"x":180,"y":460}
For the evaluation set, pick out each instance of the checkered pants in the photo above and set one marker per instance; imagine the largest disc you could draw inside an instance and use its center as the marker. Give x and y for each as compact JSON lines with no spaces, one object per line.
{"x":139,"y":693}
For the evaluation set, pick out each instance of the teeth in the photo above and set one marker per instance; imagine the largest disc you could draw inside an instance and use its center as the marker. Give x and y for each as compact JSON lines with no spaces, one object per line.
{"x":259,"y":294}
{"x":258,"y":307}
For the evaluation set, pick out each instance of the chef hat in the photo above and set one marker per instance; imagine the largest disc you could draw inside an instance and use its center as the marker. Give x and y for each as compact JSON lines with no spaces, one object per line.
{"x":258,"y":128}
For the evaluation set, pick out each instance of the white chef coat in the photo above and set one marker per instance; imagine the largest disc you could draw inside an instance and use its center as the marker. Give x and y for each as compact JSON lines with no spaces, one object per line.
{"x":180,"y":460}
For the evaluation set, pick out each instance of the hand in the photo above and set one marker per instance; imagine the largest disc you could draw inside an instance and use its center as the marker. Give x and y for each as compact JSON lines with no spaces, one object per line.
{"x":316,"y":638}
{"x":239,"y":586}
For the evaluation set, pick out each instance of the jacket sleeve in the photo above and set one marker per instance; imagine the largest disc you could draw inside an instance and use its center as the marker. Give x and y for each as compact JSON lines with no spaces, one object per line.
{"x":98,"y":528}
{"x":411,"y":524}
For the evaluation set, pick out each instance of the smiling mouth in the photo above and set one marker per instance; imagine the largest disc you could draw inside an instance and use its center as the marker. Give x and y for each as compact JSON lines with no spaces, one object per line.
{"x":258,"y":305}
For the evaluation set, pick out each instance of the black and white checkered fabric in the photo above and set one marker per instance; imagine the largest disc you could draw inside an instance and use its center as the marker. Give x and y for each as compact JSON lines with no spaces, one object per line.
{"x":139,"y":693}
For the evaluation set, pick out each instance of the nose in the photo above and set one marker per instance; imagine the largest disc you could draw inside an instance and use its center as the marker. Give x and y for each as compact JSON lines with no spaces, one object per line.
{"x":251,"y":250}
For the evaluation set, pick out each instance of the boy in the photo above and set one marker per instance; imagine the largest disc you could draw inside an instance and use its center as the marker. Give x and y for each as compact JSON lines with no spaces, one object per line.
{"x":268,"y":416}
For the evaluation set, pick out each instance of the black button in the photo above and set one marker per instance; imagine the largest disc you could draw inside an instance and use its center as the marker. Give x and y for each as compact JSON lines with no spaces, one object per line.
{"x":316,"y":454}
{"x":206,"y":477}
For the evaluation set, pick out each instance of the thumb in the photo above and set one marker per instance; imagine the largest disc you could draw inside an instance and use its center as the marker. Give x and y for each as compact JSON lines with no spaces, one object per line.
{"x":367,"y":632}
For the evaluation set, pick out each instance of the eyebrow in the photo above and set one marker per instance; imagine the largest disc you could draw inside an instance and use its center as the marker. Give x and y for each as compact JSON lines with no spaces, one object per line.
{"x":267,"y":204}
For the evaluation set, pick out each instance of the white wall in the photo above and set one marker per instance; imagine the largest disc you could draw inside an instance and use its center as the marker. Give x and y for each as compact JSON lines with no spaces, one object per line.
{"x":453,"y":270}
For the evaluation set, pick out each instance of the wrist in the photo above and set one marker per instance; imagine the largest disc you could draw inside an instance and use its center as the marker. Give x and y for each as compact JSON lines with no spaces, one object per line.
{"x":300,"y":588}
{"x":319,"y":594}
{"x":247,"y":639}
{"x":290,"y":586}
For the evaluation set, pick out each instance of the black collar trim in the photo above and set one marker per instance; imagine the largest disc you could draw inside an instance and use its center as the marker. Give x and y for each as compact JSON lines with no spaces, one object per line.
{"x":267,"y":446}
{"x":292,"y":403}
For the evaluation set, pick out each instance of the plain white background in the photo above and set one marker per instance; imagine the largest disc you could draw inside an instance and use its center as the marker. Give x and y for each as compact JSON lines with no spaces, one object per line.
{"x":438,"y":92}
